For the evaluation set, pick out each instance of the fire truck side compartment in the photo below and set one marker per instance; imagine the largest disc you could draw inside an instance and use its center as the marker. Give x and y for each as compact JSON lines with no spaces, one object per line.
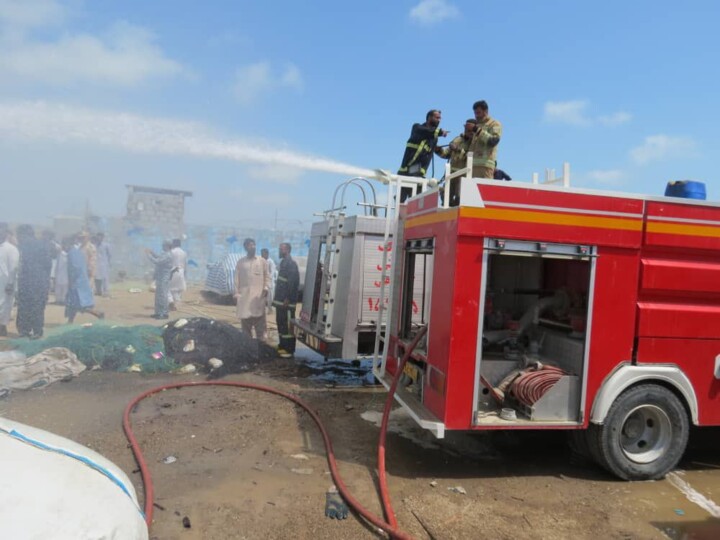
{"x":519,"y":275}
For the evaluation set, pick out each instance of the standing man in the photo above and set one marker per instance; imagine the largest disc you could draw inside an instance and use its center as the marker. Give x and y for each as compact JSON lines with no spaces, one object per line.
{"x":286,"y":292}
{"x":163,"y":272}
{"x":177,"y":283}
{"x":272,"y":270}
{"x":485,"y":141}
{"x":9,"y":260}
{"x":252,"y":285}
{"x":90,"y":251}
{"x":102,"y":275}
{"x":456,"y":152}
{"x":33,"y":282}
{"x":79,"y":297}
{"x":419,"y":149}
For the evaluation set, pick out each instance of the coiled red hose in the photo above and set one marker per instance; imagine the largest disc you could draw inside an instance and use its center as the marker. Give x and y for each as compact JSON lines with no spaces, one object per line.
{"x":390,"y":528}
{"x":530,"y":386}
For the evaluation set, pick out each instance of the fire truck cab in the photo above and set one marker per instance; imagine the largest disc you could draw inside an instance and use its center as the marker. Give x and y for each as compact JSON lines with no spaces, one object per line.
{"x":558,"y":308}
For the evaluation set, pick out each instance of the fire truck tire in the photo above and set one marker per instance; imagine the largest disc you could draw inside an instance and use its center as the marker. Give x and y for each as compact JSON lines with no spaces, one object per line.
{"x":644,"y":434}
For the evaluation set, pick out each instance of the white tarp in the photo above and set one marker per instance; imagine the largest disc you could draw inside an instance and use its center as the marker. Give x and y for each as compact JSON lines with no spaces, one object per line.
{"x":51,"y":487}
{"x":20,"y":373}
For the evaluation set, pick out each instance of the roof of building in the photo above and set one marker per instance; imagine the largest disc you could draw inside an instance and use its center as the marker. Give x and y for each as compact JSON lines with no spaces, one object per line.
{"x":162,"y":191}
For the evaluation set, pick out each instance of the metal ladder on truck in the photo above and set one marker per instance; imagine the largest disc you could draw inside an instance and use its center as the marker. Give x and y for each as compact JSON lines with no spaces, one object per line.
{"x":394,"y":184}
{"x":335,"y":218}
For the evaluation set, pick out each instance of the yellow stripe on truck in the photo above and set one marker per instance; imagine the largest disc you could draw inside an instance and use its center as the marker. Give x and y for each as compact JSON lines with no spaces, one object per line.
{"x":526,"y":216}
{"x":553,"y":218}
{"x":683,"y":229}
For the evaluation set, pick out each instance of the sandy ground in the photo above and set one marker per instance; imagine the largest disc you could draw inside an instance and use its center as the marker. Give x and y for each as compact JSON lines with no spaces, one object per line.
{"x":252,"y":465}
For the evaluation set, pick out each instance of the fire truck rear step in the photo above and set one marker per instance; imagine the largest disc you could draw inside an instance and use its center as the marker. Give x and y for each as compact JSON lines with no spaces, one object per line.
{"x":417,"y":410}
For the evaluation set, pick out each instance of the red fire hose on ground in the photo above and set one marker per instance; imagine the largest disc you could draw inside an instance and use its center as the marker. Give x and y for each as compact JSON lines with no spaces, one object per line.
{"x":390,"y":526}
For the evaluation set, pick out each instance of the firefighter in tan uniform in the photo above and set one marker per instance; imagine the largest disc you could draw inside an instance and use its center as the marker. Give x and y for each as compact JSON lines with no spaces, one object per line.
{"x":488,"y":132}
{"x":456,"y":152}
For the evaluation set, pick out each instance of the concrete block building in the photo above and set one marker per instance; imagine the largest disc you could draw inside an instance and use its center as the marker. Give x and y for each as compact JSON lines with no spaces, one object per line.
{"x":157,"y":209}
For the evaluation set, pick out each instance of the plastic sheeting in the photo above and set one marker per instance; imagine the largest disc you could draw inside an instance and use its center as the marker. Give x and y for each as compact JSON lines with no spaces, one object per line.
{"x":51,"y":487}
{"x":20,"y":373}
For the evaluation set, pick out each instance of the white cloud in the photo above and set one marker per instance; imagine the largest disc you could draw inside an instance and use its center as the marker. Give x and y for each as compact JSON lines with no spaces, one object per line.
{"x":40,"y":121}
{"x":662,"y":147}
{"x":37,"y":45}
{"x":253,"y":80}
{"x":606,"y":177}
{"x":615,"y":119}
{"x":567,"y":112}
{"x":127,"y":57}
{"x":575,"y":113}
{"x":278,"y":174}
{"x":429,"y":12}
{"x":25,"y":14}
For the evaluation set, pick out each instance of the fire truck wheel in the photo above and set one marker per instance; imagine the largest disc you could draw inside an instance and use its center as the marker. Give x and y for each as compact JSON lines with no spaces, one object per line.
{"x":644,"y":434}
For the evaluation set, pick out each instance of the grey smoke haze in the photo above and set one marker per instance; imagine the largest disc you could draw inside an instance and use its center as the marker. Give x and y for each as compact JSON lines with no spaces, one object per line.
{"x":42,"y":121}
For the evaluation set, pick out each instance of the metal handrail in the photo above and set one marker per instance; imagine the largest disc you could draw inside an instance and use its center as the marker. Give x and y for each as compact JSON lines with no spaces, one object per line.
{"x":465,"y":171}
{"x":356,"y":181}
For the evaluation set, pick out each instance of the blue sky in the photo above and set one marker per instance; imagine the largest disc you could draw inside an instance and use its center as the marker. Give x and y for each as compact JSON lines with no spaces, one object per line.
{"x":264,"y":107}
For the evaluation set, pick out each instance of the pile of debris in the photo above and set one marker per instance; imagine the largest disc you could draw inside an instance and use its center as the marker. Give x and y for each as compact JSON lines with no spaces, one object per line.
{"x":218,"y":348}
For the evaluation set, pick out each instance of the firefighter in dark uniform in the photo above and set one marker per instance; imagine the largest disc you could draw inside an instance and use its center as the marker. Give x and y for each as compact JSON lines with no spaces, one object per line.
{"x":286,"y":291}
{"x":419,"y":149}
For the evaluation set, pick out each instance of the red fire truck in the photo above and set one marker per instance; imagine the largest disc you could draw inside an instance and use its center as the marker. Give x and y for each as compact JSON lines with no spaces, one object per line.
{"x":559,"y":308}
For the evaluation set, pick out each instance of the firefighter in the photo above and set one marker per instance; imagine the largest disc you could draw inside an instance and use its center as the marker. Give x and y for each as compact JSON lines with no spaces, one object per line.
{"x":486,"y":138}
{"x":419,"y":148}
{"x":456,"y":152}
{"x":286,"y":291}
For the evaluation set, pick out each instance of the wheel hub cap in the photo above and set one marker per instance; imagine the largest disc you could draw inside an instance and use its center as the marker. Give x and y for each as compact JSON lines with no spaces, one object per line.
{"x":646,"y":434}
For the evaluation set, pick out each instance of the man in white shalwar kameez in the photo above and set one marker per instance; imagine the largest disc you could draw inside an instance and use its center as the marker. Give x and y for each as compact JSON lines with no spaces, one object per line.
{"x":177,"y":281}
{"x":9,"y":260}
{"x":272,"y":270}
{"x":252,"y":284}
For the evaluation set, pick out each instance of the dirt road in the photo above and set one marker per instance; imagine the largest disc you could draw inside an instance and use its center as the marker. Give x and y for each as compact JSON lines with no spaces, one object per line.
{"x":251,"y":465}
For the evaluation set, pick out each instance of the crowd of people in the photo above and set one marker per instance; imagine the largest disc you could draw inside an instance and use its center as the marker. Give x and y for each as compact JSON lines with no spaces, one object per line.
{"x":260,"y":285}
{"x":31,"y":266}
{"x":78,"y":268}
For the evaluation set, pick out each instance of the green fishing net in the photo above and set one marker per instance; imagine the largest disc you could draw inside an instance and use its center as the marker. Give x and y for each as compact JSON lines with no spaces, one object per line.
{"x":119,"y":348}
